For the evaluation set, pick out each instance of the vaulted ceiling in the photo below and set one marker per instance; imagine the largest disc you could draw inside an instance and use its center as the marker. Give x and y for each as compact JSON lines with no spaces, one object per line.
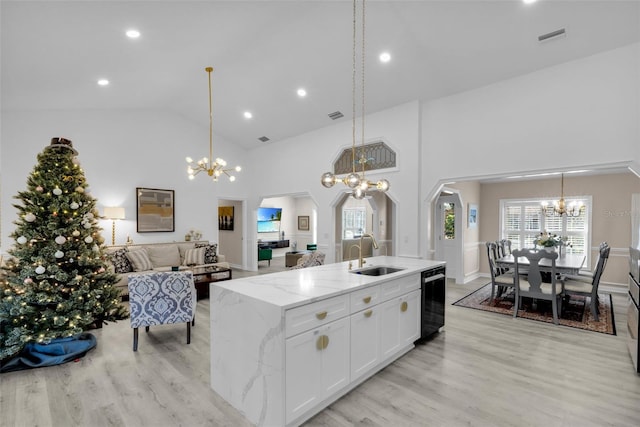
{"x":53,"y":52}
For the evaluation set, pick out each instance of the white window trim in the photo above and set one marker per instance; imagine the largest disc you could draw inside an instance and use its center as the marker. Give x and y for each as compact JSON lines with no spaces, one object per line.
{"x":588,"y":203}
{"x":362,"y":210}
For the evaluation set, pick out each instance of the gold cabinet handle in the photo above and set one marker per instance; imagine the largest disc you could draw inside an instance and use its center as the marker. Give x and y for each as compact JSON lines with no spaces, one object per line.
{"x":366,"y":300}
{"x":404,"y":306}
{"x":321,"y":315}
{"x":322,"y":342}
{"x":368,"y":313}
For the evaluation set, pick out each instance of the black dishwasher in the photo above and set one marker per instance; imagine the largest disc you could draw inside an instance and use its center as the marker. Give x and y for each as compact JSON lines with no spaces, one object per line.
{"x":433,"y":283}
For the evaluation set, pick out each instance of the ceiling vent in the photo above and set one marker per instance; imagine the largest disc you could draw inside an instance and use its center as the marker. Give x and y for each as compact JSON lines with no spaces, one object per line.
{"x":552,"y":35}
{"x":263,"y":139}
{"x":336,"y":115}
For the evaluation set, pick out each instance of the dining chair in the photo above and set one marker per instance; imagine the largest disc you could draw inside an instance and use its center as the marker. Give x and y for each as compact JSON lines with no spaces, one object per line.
{"x":161,"y":298}
{"x":589,"y":274}
{"x":582,"y":285}
{"x":500,"y":280}
{"x":533,"y":286}
{"x":504,"y":249}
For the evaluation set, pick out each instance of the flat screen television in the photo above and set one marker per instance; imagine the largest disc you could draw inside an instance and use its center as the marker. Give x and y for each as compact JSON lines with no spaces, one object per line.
{"x":269,"y":220}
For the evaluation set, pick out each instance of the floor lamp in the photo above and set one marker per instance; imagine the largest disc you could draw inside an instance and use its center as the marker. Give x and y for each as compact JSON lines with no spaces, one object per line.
{"x":113,"y":214}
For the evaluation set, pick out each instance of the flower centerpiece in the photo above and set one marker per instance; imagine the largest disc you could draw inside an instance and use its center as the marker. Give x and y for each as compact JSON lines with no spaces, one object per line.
{"x":552,"y":241}
{"x":548,"y":240}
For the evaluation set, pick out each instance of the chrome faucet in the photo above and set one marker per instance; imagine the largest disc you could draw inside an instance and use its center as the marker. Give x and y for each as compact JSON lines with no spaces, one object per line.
{"x":361,"y":260}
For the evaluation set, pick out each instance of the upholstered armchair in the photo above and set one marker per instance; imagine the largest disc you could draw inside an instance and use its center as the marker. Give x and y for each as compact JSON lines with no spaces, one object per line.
{"x":309,"y":260}
{"x":161,"y":298}
{"x":264,"y":254}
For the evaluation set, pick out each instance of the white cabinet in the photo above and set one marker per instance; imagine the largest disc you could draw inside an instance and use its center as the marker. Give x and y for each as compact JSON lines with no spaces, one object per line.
{"x":384,"y":329}
{"x":317,"y":366}
{"x":409,"y":319}
{"x":365,"y":298}
{"x":365,"y":341}
{"x":399,"y":323}
{"x":286,"y":347}
{"x":313,"y":315}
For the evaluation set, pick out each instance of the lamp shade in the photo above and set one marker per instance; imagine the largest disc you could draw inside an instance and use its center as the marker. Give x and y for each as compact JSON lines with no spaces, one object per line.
{"x":114,"y":213}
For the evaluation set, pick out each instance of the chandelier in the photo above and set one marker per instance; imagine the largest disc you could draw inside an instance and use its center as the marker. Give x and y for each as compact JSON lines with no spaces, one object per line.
{"x":560,"y":207}
{"x":213,"y":168}
{"x":355,"y":180}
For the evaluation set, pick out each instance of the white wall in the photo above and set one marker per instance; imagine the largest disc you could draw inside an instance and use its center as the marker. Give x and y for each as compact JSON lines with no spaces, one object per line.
{"x":296,"y":164}
{"x":120,"y":151}
{"x":581,"y":113}
{"x":305,"y":207}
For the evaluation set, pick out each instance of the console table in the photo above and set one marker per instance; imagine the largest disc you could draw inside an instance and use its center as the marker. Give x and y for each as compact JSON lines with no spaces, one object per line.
{"x":273,"y":244}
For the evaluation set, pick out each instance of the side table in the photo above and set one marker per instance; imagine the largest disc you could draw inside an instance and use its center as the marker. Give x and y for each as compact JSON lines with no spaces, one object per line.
{"x":202,"y":276}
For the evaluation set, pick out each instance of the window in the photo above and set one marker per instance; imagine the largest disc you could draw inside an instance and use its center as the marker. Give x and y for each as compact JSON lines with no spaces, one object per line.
{"x":378,"y":155}
{"x":522,"y":221}
{"x":354,"y":222}
{"x":449,"y":210}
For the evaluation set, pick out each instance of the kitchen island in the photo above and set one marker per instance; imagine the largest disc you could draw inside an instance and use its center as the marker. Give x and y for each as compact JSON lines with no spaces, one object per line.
{"x":286,"y":345}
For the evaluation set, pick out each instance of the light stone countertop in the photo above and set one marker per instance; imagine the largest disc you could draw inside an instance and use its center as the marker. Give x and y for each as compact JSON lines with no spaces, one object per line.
{"x":292,"y":288}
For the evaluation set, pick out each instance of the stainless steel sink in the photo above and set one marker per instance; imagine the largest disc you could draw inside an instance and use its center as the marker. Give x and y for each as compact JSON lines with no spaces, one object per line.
{"x":377,"y":270}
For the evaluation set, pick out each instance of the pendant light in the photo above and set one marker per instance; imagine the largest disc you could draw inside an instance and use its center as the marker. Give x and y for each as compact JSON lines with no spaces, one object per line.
{"x":356,"y":180}
{"x":560,"y":207}
{"x":214,"y":168}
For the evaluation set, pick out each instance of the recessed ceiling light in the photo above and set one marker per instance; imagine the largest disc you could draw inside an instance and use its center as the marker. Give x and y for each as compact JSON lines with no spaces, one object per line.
{"x":133,"y":34}
{"x":248,"y":115}
{"x":385,"y":57}
{"x":529,"y":1}
{"x":103,"y":82}
{"x":302,"y":93}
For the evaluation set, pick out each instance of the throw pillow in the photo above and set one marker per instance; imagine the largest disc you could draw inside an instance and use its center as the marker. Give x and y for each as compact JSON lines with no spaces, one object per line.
{"x":139,"y":259}
{"x":210,"y":253}
{"x":163,"y":255}
{"x":120,"y":261}
{"x":194,"y":256}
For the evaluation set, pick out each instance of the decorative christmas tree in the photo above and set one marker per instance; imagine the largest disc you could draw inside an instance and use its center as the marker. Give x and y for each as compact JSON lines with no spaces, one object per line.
{"x":56,"y":284}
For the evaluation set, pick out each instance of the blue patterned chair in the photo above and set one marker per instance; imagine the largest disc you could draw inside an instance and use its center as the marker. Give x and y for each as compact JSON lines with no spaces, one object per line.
{"x":161,"y":298}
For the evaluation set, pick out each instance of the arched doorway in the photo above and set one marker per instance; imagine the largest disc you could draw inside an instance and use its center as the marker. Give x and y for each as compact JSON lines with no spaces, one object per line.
{"x":448,"y":232}
{"x":374,"y":215}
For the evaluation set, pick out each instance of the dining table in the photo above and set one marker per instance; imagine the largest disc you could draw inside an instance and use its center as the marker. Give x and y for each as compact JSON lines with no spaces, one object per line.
{"x":565,"y":264}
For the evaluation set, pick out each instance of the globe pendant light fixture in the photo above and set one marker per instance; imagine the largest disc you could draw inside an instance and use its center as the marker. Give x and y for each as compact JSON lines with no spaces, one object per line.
{"x":213,"y":168}
{"x":356,"y":181}
{"x":560,"y":207}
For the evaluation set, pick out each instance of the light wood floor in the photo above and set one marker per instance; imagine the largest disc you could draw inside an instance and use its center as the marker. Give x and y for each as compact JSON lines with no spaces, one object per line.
{"x":483,"y":370}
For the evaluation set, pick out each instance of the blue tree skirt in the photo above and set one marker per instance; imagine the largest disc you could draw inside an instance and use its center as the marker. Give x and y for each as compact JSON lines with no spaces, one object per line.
{"x":58,"y":351}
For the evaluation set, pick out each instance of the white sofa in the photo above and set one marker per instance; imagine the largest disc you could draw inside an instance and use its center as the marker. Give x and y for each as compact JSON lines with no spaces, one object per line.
{"x":160,"y":257}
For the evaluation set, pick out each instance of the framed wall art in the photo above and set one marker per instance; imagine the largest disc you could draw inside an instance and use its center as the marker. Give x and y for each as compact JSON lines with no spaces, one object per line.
{"x":155,"y":210}
{"x":472,"y":215}
{"x":303,"y":223}
{"x":225,"y":218}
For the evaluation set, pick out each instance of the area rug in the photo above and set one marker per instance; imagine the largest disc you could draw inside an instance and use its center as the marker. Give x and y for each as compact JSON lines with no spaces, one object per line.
{"x":576,"y":312}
